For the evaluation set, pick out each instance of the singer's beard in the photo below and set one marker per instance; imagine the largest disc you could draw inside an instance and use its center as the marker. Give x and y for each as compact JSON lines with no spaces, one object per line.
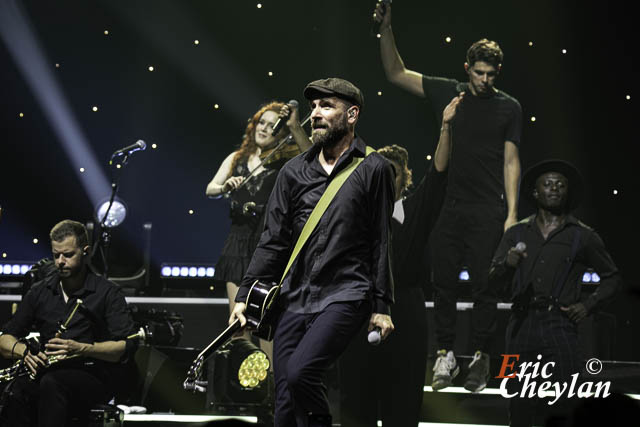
{"x":330,"y":136}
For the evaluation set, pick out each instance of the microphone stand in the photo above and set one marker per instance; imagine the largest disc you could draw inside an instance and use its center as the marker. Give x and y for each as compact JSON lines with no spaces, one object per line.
{"x":105,"y":232}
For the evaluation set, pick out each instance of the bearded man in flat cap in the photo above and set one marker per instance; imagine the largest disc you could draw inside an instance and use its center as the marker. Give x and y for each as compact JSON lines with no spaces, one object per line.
{"x":341,"y":277}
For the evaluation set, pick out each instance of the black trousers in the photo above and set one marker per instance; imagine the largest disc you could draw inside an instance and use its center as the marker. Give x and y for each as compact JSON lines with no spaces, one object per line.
{"x":465,"y":234}
{"x":554,"y":336}
{"x":386,"y":382}
{"x":304,"y":347}
{"x":53,"y":398}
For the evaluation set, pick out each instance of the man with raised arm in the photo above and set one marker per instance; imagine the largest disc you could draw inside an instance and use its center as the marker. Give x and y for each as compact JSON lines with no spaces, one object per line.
{"x":481,"y":195}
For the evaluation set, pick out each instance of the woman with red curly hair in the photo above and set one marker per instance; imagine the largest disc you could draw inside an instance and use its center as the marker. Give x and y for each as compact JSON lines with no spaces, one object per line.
{"x":249,"y":200}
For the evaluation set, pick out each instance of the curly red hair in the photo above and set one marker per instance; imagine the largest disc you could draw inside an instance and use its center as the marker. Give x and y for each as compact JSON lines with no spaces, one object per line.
{"x":248,"y":145}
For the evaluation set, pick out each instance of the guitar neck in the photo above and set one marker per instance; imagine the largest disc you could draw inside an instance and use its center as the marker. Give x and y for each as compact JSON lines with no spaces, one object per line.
{"x":220,"y":339}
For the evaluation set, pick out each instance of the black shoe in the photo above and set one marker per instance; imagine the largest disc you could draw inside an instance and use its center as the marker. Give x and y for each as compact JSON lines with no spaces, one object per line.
{"x":478,"y":373}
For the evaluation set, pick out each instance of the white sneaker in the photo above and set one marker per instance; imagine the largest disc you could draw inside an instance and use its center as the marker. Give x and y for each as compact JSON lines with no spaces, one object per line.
{"x":445,"y":370}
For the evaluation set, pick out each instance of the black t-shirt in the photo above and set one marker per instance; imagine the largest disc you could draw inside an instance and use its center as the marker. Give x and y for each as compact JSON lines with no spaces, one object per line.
{"x":479,"y":131}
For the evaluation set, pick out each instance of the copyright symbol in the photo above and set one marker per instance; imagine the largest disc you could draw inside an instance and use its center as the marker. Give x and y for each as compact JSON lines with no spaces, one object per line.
{"x":593,"y":366}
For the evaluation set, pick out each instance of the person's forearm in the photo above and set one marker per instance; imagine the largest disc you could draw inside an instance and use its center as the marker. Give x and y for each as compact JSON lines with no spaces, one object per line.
{"x":300,"y":137}
{"x":10,"y":348}
{"x":391,"y":60}
{"x":213,"y":189}
{"x":511,"y":179}
{"x":443,"y":150}
{"x":110,"y":351}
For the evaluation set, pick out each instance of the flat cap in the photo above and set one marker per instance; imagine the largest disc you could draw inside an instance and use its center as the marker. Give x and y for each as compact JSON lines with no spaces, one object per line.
{"x":334,"y":86}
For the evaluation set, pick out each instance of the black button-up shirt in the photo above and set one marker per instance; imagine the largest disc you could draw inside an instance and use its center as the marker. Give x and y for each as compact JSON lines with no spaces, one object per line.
{"x":103,"y":315}
{"x":346,"y":258}
{"x":547,"y":259}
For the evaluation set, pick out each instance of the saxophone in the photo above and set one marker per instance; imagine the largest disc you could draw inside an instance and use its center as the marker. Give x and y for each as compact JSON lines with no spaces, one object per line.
{"x":19,"y":368}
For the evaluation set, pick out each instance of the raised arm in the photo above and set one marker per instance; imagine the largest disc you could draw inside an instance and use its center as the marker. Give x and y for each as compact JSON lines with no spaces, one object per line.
{"x":293,"y":123}
{"x":392,"y":63}
{"x":443,"y":150}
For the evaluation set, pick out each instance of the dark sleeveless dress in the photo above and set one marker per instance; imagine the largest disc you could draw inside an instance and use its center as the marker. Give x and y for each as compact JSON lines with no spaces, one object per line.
{"x":246,"y":226}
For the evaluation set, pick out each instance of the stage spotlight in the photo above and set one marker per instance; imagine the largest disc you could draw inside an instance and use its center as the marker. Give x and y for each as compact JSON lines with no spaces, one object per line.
{"x":239,"y":380}
{"x":117,"y":213}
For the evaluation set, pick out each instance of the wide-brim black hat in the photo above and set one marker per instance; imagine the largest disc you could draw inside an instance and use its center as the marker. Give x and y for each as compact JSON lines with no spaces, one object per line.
{"x":576,"y":183}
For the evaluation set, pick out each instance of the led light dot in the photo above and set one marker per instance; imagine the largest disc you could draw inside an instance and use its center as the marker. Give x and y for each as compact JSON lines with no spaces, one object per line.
{"x":379,"y":93}
{"x":196,"y":42}
{"x":35,"y":241}
{"x":216,"y":106}
{"x":106,"y":32}
{"x":154,"y":146}
{"x":270,"y":73}
{"x":615,"y":192}
{"x":530,"y":43}
{"x":429,"y":157}
{"x":57,"y":65}
{"x":378,"y":35}
{"x":447,"y":39}
{"x":564,"y":51}
{"x":151,"y":68}
{"x":533,"y":118}
{"x":94,"y":108}
{"x":21,"y":115}
{"x":259,"y":5}
{"x":4,"y":254}
{"x":81,"y":169}
{"x":118,"y":166}
{"x":628,"y":97}
{"x":190,"y":211}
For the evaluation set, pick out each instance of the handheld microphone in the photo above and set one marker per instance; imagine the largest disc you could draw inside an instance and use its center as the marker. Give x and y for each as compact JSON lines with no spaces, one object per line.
{"x":374,"y":336}
{"x":282,"y":120}
{"x":375,"y":28}
{"x":139,"y":145}
{"x":521,"y":246}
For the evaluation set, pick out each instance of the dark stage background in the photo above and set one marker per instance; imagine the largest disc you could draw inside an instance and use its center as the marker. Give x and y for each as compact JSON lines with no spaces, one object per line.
{"x":579,"y":100}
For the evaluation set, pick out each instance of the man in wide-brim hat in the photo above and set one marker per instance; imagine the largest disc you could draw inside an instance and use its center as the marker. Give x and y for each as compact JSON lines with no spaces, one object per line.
{"x":575,"y":191}
{"x":543,"y":258}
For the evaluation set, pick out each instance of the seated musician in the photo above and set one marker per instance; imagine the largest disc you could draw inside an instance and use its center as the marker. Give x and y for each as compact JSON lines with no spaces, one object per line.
{"x":83,"y":323}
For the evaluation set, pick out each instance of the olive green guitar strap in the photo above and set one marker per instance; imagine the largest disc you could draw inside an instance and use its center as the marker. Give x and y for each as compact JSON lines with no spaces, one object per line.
{"x":322,"y":206}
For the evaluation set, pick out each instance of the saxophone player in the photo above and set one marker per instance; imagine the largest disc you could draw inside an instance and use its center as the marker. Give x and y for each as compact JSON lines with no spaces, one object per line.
{"x":81,"y":317}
